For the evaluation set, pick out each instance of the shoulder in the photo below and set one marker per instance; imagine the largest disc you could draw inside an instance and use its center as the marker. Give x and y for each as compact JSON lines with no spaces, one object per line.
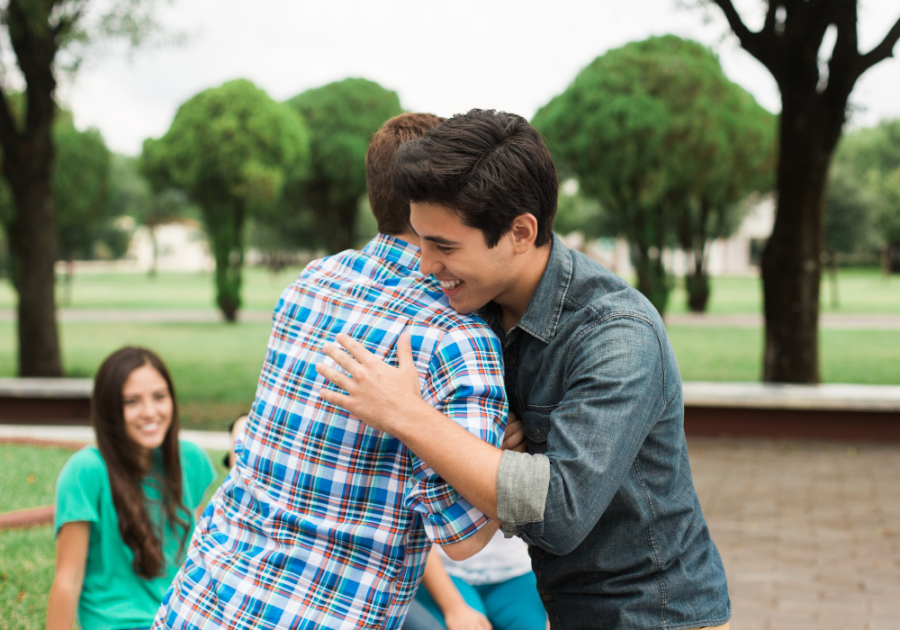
{"x":596,"y":295}
{"x":84,"y":464}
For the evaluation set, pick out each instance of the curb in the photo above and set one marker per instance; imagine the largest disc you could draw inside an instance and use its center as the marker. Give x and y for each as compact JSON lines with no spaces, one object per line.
{"x":30,"y":517}
{"x":27,"y":441}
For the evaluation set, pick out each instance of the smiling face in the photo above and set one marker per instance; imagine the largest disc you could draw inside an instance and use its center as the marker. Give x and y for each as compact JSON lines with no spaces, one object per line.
{"x":471,"y":273}
{"x":147,"y":407}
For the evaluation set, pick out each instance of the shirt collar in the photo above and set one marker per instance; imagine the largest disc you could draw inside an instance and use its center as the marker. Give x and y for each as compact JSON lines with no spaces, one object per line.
{"x":541,"y":318}
{"x":393,"y":250}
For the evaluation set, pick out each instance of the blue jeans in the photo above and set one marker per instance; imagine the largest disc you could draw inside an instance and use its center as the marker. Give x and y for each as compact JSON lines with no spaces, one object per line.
{"x":510,"y":605}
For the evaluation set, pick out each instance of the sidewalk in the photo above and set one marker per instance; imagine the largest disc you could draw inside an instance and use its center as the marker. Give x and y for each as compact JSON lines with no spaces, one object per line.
{"x":809,"y":531}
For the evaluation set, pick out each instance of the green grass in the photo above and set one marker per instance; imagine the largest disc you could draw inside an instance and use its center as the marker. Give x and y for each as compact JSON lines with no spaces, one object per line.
{"x":215,"y":367}
{"x":861,"y":291}
{"x":28,"y":475}
{"x":735,"y":354}
{"x":260,"y":291}
{"x":27,"y":556}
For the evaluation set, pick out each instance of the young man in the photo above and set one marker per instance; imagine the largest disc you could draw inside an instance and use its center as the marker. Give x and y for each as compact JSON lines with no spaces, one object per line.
{"x":604,"y":495}
{"x":324,"y":522}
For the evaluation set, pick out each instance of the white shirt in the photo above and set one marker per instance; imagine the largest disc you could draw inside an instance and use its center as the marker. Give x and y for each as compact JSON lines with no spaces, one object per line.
{"x":501,"y":559}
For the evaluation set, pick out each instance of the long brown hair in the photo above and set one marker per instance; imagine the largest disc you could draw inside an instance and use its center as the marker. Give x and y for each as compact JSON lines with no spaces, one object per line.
{"x":126,"y":467}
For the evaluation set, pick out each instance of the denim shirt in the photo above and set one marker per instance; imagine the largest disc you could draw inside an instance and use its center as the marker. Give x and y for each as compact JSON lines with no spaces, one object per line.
{"x":604,"y":495}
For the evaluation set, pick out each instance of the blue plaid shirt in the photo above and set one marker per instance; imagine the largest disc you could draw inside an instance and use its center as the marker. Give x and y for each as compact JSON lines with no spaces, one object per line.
{"x":325,"y":522}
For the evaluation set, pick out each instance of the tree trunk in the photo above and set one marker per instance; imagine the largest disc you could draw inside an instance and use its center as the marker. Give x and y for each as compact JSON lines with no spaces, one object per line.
{"x":33,"y":247}
{"x":791,"y":262}
{"x":226,"y":227}
{"x":652,"y":279}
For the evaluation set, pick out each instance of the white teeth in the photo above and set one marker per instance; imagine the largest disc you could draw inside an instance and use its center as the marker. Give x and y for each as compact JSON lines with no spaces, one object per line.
{"x":150,"y":428}
{"x":450,"y":284}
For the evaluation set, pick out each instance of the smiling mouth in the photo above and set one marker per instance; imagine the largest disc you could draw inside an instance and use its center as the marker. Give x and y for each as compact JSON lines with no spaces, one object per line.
{"x":150,"y":427}
{"x":449,"y":285}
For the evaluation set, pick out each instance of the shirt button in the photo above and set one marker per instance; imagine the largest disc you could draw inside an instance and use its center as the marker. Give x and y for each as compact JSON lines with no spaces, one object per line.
{"x":546,"y":597}
{"x":537,"y":431}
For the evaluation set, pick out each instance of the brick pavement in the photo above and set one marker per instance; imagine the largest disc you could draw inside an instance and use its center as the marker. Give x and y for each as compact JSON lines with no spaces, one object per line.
{"x":809,"y":531}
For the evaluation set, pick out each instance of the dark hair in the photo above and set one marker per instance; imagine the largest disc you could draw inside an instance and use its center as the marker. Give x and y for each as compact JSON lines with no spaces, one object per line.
{"x":488,"y":166}
{"x":125,"y":466}
{"x":391,"y":209}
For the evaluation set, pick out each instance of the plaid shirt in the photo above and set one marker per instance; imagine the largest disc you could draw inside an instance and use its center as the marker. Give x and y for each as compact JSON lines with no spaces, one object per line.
{"x":325,"y":522}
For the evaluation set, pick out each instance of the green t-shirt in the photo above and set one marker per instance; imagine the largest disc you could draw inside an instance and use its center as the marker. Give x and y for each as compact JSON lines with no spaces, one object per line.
{"x":113,"y":595}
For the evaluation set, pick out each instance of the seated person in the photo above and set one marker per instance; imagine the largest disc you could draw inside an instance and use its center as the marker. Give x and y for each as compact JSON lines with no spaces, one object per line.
{"x":495,"y":588}
{"x":113,"y":500}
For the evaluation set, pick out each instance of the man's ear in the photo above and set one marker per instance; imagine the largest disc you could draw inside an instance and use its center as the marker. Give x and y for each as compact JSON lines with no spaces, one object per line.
{"x":524,"y":232}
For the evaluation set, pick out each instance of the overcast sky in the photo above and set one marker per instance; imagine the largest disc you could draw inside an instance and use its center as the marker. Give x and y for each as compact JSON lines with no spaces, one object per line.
{"x":440,"y":57}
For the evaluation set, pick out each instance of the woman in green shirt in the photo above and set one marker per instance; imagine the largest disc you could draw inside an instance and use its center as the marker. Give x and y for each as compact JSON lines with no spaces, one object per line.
{"x":125,"y":509}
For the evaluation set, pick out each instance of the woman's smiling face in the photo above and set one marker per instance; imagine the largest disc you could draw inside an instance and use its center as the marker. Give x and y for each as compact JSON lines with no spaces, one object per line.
{"x":147,"y":407}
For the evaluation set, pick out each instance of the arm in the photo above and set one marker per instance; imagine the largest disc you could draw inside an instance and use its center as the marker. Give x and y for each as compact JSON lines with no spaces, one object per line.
{"x":458,"y":615}
{"x":388,"y":399}
{"x":615,"y":392}
{"x":71,"y":557}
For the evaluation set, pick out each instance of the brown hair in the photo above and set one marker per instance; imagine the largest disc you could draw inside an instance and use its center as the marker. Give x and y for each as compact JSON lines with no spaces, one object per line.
{"x":125,"y":466}
{"x":488,"y":166}
{"x":391,"y":209}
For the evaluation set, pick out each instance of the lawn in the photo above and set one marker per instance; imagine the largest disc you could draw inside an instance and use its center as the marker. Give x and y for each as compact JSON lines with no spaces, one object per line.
{"x":215,"y":366}
{"x":260,"y":292}
{"x":861,"y":291}
{"x":27,"y":556}
{"x":735,"y":354}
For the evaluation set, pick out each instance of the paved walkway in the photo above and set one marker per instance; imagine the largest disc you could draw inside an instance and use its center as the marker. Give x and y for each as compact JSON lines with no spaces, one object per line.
{"x":190,"y":316}
{"x":809,"y":531}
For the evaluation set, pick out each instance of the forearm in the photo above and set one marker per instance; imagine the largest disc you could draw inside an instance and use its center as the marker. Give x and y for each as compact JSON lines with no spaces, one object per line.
{"x":464,"y":461}
{"x":440,"y":586}
{"x":62,"y":605}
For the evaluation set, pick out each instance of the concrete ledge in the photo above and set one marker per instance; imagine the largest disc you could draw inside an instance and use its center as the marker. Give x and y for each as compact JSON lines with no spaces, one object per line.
{"x":831,"y":397}
{"x":46,"y":400}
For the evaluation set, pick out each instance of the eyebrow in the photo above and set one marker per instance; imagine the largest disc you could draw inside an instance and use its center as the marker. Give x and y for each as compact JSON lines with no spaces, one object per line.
{"x":440,"y":240}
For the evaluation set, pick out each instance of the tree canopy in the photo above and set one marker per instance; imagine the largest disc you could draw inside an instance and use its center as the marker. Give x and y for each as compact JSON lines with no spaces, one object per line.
{"x":342,"y":117}
{"x":231,"y":149}
{"x":656,"y":133}
{"x":80,"y":184}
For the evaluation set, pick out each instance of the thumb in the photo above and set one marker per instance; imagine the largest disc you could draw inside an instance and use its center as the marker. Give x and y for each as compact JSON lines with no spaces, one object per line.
{"x":404,"y":353}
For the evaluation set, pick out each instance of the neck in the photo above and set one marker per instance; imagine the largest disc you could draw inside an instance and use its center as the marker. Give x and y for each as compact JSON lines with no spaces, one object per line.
{"x":410,"y":237}
{"x":514,"y":302}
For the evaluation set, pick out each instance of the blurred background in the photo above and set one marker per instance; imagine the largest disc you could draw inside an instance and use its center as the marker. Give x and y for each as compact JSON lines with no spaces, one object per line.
{"x":168,"y":167}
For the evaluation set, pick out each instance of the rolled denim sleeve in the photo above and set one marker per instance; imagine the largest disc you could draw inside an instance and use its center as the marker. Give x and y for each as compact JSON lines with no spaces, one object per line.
{"x":614,"y":392}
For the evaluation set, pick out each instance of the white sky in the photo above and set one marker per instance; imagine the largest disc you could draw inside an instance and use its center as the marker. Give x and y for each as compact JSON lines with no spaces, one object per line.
{"x":441,"y":57}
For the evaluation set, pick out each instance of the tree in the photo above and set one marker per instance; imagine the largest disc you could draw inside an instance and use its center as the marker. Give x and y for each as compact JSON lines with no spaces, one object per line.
{"x":231,"y":149}
{"x":814,"y":95}
{"x":871,"y":157}
{"x":38,"y":31}
{"x":79,"y":185}
{"x":713,"y":204}
{"x":650,"y":130}
{"x":342,"y":118}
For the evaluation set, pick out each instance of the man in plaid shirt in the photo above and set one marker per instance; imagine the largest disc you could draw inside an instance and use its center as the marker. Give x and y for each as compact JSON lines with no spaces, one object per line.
{"x":324,"y":522}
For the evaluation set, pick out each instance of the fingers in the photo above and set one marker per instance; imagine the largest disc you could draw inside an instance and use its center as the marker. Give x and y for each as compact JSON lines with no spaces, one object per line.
{"x":340,"y":357}
{"x":335,"y":398}
{"x":338,"y":378}
{"x":404,"y":352}
{"x":355,"y":348}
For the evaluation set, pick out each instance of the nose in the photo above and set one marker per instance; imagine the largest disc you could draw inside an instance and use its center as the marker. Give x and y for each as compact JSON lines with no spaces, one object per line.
{"x":429,"y":263}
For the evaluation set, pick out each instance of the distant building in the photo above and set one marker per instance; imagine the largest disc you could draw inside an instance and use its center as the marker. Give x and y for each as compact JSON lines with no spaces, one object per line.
{"x":735,"y":256}
{"x":180,"y":246}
